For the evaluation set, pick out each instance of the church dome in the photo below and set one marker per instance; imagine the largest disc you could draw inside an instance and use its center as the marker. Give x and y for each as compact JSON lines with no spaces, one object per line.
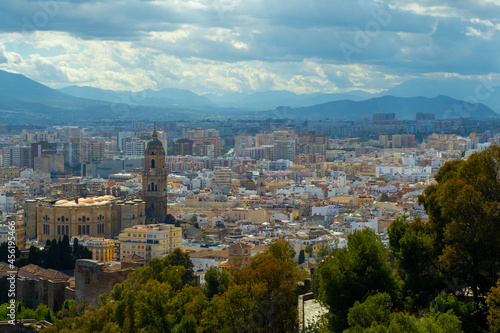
{"x":154,"y":146}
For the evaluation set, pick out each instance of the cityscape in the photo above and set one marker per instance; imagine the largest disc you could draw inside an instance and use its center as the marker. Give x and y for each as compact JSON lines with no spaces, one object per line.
{"x":230,"y":167}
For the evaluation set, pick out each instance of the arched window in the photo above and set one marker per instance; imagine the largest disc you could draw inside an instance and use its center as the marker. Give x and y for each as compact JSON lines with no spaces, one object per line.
{"x":152,"y":186}
{"x":149,"y":187}
{"x":152,"y":164}
{"x":156,"y":188}
{"x":87,"y":277}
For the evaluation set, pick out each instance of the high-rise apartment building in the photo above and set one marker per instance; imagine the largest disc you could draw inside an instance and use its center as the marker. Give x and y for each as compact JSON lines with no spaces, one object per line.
{"x":17,"y":156}
{"x":284,"y":149}
{"x":241,"y":142}
{"x":201,"y":146}
{"x":135,"y":148}
{"x":183,"y":147}
{"x":221,"y":183}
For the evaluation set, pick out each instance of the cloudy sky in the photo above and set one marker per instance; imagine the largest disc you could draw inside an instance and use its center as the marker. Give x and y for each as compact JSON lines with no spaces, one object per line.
{"x":217,"y":46}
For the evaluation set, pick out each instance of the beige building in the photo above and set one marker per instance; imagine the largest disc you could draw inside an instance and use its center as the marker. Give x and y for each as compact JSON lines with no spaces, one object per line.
{"x":257,"y":215}
{"x":241,"y":142}
{"x":5,"y":232}
{"x":150,"y":241}
{"x":102,"y":216}
{"x":10,"y":172}
{"x":103,"y":249}
{"x":45,"y":163}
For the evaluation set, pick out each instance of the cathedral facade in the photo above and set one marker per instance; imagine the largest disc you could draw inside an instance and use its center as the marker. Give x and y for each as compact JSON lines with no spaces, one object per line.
{"x":154,"y":181}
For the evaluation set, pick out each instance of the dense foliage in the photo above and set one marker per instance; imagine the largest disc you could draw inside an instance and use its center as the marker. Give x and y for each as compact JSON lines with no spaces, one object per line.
{"x":441,"y":275}
{"x":435,"y":276}
{"x":56,"y":254}
{"x":162,"y":297}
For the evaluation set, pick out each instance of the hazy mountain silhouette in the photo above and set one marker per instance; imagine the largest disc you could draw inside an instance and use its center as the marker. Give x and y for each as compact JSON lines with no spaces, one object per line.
{"x":404,"y":108}
{"x":25,"y":100}
{"x":169,"y":97}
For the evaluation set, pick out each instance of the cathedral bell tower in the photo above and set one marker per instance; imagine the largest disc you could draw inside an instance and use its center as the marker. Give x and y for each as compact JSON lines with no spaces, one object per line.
{"x":154,"y":181}
{"x":261,"y":184}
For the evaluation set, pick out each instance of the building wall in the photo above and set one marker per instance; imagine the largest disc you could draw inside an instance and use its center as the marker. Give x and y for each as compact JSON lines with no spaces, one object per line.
{"x":150,"y":241}
{"x":91,"y":281}
{"x":32,"y":292}
{"x":45,"y":220}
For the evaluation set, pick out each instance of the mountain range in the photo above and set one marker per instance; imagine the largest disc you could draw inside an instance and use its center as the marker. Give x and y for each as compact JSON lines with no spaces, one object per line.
{"x":481,"y":91}
{"x":25,"y":100}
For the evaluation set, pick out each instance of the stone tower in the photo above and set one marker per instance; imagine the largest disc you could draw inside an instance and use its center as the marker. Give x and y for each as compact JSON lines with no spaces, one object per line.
{"x":261,"y":184}
{"x":154,"y":181}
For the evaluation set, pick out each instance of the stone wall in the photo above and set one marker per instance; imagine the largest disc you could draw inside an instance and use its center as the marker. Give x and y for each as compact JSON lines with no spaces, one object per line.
{"x":91,"y":280}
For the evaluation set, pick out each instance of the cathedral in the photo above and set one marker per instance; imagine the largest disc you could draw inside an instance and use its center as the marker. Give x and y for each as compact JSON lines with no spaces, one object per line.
{"x":154,"y":181}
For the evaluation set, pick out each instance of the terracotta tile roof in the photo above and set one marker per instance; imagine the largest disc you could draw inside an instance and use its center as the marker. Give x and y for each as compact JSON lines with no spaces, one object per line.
{"x":4,"y":268}
{"x":132,"y":258}
{"x":38,"y":271}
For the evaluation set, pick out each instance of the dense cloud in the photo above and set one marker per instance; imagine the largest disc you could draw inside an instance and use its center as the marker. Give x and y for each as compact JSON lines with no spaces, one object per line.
{"x":234,"y":45}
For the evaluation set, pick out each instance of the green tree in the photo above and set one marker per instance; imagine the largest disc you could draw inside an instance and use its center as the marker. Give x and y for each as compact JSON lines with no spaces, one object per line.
{"x":374,"y":311}
{"x":170,"y":219}
{"x":4,"y":251}
{"x":261,"y":296}
{"x":180,"y":258}
{"x":152,"y":299}
{"x":282,"y":250}
{"x":493,"y":303}
{"x":216,"y":282}
{"x":350,"y":274}
{"x":465,"y":311}
{"x":67,"y":261}
{"x":309,"y":250}
{"x":443,"y":323}
{"x":463,"y":219}
{"x":53,"y":256}
{"x":302,"y":257}
{"x":417,"y":260}
{"x":36,"y":256}
{"x":75,"y":248}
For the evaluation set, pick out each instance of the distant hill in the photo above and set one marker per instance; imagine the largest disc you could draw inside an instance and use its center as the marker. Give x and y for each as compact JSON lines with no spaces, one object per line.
{"x":180,"y":97}
{"x":93,"y":93}
{"x":169,"y":97}
{"x":487,"y":93}
{"x":17,"y":86}
{"x":457,"y":88}
{"x":274,"y":98}
{"x":24,"y":100}
{"x":404,"y":109}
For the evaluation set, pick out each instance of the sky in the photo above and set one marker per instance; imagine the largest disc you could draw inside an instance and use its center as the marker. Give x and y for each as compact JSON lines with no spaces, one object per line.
{"x":221,"y":46}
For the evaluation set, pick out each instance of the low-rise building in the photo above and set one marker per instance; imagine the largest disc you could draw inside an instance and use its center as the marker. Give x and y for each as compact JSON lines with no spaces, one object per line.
{"x":150,"y":241}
